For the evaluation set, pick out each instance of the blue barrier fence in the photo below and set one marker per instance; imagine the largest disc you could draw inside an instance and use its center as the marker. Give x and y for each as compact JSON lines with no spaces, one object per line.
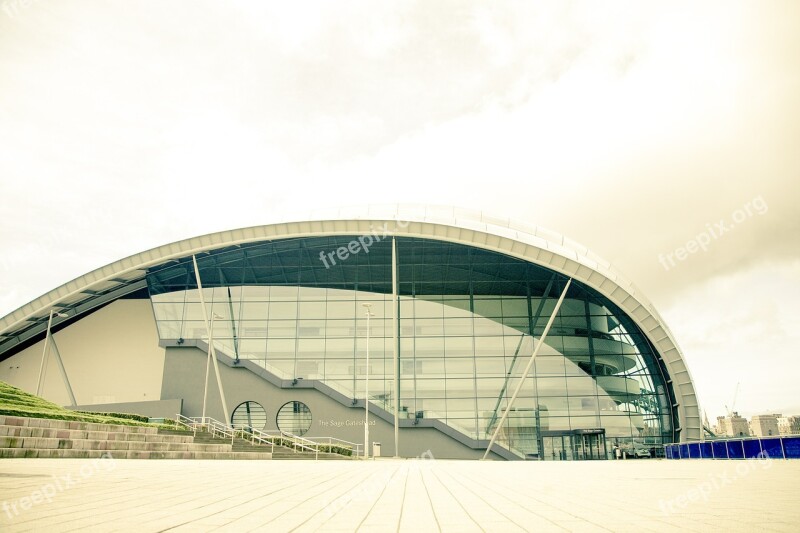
{"x":748,"y":448}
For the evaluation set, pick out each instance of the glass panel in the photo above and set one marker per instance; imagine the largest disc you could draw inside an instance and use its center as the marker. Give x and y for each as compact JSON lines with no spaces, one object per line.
{"x":429,"y":346}
{"x":283,"y":309}
{"x":311,"y":348}
{"x":339,"y":348}
{"x":169,"y":329}
{"x":341,"y":309}
{"x":458,"y":347}
{"x":168,"y":311}
{"x":294,"y":418}
{"x":249,"y":415}
{"x":280,"y":348}
{"x":281,"y":329}
{"x":311,"y":310}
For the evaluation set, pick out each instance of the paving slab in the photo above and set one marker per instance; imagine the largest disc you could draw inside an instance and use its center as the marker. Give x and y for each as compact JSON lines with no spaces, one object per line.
{"x":397,"y":495}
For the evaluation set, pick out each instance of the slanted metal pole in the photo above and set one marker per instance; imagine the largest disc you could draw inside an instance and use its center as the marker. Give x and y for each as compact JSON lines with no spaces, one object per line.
{"x":366,"y":389}
{"x":73,"y":403}
{"x":48,"y":338}
{"x":219,"y":383}
{"x":43,"y":366}
{"x":395,"y":342}
{"x":208,"y":370}
{"x":527,"y":368}
{"x":210,"y":340}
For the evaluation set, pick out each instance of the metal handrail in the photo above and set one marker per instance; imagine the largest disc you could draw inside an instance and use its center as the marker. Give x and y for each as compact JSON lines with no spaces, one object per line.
{"x":213,"y":426}
{"x":257,"y":435}
{"x":354,"y":447}
{"x":299,"y":442}
{"x":295,"y":442}
{"x":186,"y":422}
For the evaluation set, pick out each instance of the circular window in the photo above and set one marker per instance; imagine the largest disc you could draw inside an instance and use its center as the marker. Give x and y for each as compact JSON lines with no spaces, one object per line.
{"x":249,"y":415}
{"x":294,"y":418}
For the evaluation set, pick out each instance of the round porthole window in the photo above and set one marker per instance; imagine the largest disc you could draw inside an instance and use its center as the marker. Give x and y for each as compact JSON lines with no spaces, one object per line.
{"x":249,"y":415}
{"x":294,"y":418}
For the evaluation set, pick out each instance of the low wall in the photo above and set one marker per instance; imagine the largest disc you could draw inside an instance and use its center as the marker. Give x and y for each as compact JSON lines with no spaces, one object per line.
{"x":784,"y":447}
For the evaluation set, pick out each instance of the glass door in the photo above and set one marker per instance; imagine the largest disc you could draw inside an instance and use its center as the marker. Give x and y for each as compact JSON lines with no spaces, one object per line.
{"x":554,"y":449}
{"x":590,"y":447}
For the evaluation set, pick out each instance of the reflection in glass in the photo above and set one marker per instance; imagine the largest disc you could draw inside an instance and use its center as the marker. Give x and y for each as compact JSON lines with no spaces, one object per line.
{"x":249,"y":415}
{"x":295,"y":418}
{"x":464,"y":338}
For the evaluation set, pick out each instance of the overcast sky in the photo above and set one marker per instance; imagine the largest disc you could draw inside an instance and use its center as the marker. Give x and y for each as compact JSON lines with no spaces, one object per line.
{"x":632,"y":129}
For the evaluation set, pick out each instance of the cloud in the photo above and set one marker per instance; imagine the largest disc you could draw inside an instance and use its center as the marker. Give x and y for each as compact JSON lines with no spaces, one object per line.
{"x":741,"y":327}
{"x":626,"y":127}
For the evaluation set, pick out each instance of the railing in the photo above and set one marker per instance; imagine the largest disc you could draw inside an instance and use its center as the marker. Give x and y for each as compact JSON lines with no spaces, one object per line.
{"x":332,"y":442}
{"x":188,"y":423}
{"x":260,"y":437}
{"x":214,"y":427}
{"x":281,"y":438}
{"x":298,"y":443}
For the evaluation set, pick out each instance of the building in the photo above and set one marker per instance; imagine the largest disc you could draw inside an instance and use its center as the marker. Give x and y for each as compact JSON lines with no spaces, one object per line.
{"x":457,"y":302}
{"x":720,"y":429}
{"x":789,"y":425}
{"x":764,"y":425}
{"x":734,"y":425}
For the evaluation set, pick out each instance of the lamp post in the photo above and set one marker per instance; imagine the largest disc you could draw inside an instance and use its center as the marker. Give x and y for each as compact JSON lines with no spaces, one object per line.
{"x":43,"y":367}
{"x":366,"y":386}
{"x":215,"y":316}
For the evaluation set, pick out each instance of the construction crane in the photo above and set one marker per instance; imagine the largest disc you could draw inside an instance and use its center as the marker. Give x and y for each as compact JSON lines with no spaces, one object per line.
{"x":733,"y":403}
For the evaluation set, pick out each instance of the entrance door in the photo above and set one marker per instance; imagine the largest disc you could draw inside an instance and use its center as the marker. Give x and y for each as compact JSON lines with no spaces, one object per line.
{"x":557,"y":448}
{"x":590,"y":446}
{"x":575,"y":446}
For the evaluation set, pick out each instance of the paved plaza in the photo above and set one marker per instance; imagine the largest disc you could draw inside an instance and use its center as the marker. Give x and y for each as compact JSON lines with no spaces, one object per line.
{"x":397,"y":495}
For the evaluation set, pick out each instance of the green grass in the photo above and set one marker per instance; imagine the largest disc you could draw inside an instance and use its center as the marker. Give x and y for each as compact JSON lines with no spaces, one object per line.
{"x":17,"y":402}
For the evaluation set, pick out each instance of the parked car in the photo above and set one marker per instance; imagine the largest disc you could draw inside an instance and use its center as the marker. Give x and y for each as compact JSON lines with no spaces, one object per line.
{"x":637,"y":451}
{"x":641,"y":452}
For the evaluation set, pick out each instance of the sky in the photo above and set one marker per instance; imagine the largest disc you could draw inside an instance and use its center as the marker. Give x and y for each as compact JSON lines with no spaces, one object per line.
{"x":665,"y":137}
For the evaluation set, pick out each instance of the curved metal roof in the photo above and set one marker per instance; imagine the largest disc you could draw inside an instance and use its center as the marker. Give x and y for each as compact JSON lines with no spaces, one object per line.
{"x":470,"y":227}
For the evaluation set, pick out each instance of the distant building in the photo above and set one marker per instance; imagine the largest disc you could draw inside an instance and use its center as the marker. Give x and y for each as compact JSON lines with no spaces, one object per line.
{"x":719,"y":427}
{"x":765,"y":425}
{"x":789,"y":425}
{"x":734,"y":425}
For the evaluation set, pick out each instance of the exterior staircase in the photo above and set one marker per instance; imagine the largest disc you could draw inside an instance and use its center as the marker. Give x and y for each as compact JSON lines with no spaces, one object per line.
{"x":22,"y":437}
{"x":282,"y":445}
{"x":37,"y":437}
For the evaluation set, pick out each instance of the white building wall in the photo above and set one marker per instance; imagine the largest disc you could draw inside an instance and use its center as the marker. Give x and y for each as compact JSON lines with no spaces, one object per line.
{"x":764,"y":425}
{"x":110,"y":356}
{"x":789,"y":425}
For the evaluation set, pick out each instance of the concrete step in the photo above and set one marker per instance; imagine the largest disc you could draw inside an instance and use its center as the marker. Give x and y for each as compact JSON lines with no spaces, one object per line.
{"x":241,"y":447}
{"x":43,"y":443}
{"x":21,"y":431}
{"x":20,"y":453}
{"x":290,"y":455}
{"x":211,"y":440}
{"x":36,"y":437}
{"x":162,"y":431}
{"x":6,"y":420}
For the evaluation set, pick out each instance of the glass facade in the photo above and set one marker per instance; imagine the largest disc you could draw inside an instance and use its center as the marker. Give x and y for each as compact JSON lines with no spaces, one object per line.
{"x":468,"y":318}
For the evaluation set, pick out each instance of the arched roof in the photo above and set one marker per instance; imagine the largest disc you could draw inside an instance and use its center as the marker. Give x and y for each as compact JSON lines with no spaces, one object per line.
{"x":531,"y":243}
